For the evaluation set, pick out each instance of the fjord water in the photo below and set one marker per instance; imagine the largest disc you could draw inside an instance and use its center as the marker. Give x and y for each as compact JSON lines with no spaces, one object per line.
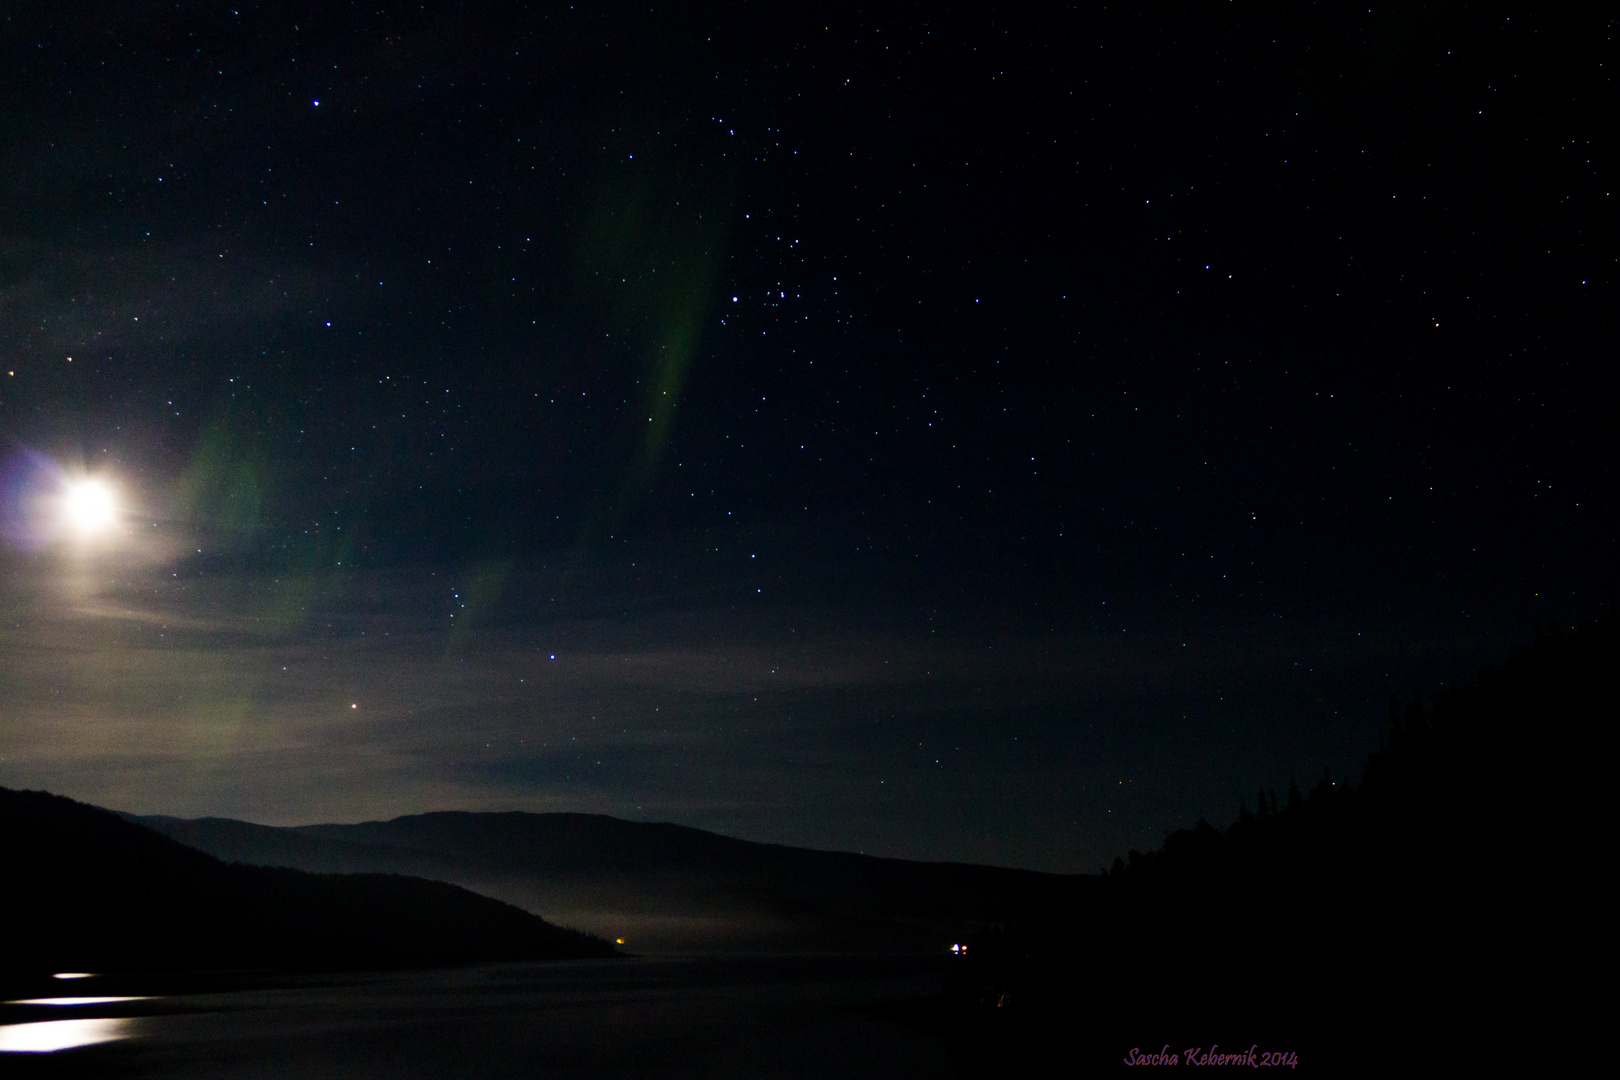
{"x":665,"y":1017}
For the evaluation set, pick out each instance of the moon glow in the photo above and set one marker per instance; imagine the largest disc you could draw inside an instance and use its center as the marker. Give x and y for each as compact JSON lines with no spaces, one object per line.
{"x":88,"y":507}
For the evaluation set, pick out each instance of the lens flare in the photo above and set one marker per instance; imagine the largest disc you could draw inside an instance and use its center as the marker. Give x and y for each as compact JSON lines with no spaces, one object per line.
{"x":44,"y":504}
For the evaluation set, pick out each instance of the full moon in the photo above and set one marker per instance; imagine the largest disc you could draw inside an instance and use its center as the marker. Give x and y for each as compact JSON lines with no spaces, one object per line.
{"x":88,"y":506}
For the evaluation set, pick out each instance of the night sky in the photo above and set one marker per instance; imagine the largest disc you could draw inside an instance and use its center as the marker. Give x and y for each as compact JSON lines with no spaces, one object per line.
{"x":933,"y":430}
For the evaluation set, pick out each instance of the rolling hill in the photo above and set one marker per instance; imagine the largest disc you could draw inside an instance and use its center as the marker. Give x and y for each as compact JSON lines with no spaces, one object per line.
{"x":661,"y":887}
{"x":86,"y":889}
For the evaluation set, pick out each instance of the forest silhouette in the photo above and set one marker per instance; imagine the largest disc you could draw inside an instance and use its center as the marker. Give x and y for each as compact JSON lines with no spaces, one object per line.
{"x":1415,"y":917}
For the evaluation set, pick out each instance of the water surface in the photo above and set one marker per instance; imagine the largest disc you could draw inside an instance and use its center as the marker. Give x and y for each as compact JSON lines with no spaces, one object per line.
{"x":684,"y":1017}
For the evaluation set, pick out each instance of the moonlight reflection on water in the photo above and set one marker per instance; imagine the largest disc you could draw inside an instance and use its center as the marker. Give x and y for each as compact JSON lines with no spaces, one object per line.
{"x":664,"y":1018}
{"x":46,"y":1036}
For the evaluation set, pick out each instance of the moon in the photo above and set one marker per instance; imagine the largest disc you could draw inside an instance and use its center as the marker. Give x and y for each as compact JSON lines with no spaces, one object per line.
{"x":88,"y":507}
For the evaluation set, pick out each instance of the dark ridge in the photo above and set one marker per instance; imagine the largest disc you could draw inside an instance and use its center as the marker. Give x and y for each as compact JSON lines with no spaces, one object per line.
{"x":661,"y":886}
{"x":835,"y":882}
{"x":1415,"y":914}
{"x":87,"y":890}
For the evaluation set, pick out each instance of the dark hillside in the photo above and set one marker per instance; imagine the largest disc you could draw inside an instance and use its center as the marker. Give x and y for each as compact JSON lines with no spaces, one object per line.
{"x":1421,"y":909}
{"x":834,"y":882}
{"x":87,"y":890}
{"x":662,"y":887}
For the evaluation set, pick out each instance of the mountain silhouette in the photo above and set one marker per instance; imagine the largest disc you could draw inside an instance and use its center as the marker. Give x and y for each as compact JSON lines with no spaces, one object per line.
{"x":661,"y":887}
{"x":85,"y":889}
